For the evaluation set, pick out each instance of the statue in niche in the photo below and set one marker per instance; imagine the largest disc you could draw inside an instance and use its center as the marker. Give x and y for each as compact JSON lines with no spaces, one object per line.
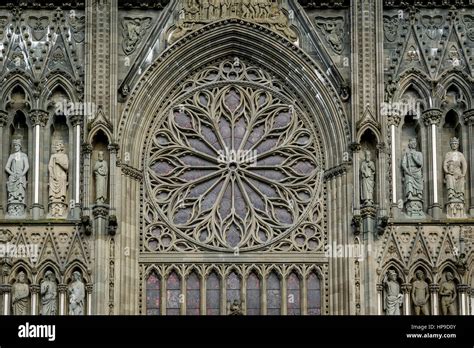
{"x":412,"y":166}
{"x":420,"y":294}
{"x":367,"y":173}
{"x":58,"y":169}
{"x":235,"y":308}
{"x":100,"y":172}
{"x":77,"y":295}
{"x":455,"y":167}
{"x":393,"y":299}
{"x":447,"y":291}
{"x":49,"y":293}
{"x":225,"y":8}
{"x":20,"y":295}
{"x":17,"y":166}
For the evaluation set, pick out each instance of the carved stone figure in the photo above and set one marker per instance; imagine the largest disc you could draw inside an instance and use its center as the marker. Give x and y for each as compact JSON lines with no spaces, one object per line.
{"x":412,"y":167}
{"x":367,"y":186}
{"x":58,"y":169}
{"x":333,"y":30}
{"x":20,"y":295}
{"x":134,"y":30}
{"x":49,"y":293}
{"x":447,"y":292}
{"x":77,"y":293}
{"x":393,"y":299}
{"x":236,"y":308}
{"x":100,"y":172}
{"x":455,"y":168}
{"x":420,"y":294}
{"x":17,"y":166}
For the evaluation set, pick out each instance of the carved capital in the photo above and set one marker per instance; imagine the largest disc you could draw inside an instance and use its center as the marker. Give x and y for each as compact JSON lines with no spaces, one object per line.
{"x":469,"y":117}
{"x":89,"y":288}
{"x":3,"y":118}
{"x":368,"y":211}
{"x":394,"y":118}
{"x":34,"y":289}
{"x":62,"y":288}
{"x":86,"y":148}
{"x":432,"y":116}
{"x":113,"y":148}
{"x":463,"y":288}
{"x":39,"y":117}
{"x":6,"y":288}
{"x":76,"y":119}
{"x":379,"y":287}
{"x":434,"y":288}
{"x":406,"y":288}
{"x":354,"y":147}
{"x":100,"y":211}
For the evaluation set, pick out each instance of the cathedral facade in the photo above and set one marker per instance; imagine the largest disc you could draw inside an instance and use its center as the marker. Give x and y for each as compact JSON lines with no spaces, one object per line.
{"x":237,"y":157}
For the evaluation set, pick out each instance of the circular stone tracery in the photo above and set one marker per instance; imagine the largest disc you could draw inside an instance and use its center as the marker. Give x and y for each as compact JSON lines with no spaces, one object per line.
{"x":233,"y":166}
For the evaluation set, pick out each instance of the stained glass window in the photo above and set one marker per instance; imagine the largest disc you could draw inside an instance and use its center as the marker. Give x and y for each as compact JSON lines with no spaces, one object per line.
{"x":153,"y":294}
{"x":173,"y":292}
{"x":213,"y":294}
{"x":233,"y":287}
{"x":314,"y":295}
{"x":273,"y":295}
{"x":293,"y":295}
{"x":253,"y":295}
{"x":193,"y":295}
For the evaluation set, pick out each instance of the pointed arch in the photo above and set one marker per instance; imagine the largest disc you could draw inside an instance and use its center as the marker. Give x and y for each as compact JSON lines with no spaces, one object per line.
{"x":11,"y":83}
{"x":417,"y":82}
{"x":454,"y":79}
{"x":53,"y":82}
{"x":300,"y":77}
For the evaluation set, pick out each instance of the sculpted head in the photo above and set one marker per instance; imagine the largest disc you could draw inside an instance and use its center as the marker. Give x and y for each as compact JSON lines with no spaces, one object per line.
{"x":454,"y":142}
{"x":392,"y":275}
{"x":419,"y":274}
{"x":100,"y":155}
{"x":49,"y":275}
{"x":449,"y":276}
{"x":59,"y":146}
{"x":76,"y":275}
{"x":412,"y":143}
{"x":21,"y":277}
{"x":368,"y":155}
{"x":16,"y":144}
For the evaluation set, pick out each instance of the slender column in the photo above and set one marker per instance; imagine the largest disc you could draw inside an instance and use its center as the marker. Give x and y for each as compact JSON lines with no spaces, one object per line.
{"x":6,"y":299}
{"x":62,"y":288}
{"x":263,"y":302}
{"x":304,"y":297}
{"x":284,"y":296}
{"x":76,"y":121}
{"x":34,"y":290}
{"x":38,"y":118}
{"x":434,"y":290}
{"x":3,"y":197}
{"x":393,"y":123}
{"x":431,"y":118}
{"x":203,"y":295}
{"x":379,"y":299}
{"x":469,"y":121}
{"x":472,"y":301}
{"x":89,"y":288}
{"x":113,"y":150}
{"x":463,"y":290}
{"x":406,"y":289}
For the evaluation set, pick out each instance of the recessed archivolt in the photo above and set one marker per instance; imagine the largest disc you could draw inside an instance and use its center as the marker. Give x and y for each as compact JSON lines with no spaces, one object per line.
{"x":299,"y":75}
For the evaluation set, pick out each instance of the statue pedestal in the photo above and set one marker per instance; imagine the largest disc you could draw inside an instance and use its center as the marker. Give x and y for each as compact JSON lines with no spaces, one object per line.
{"x":37,"y":211}
{"x":414,"y":209}
{"x":16,"y":211}
{"x":455,"y":210}
{"x":435,"y":211}
{"x":57,"y":210}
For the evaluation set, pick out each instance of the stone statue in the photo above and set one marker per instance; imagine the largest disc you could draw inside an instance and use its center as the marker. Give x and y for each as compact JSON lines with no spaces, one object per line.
{"x":455,"y":168}
{"x":58,"y":168}
{"x":49,"y":293}
{"x":17,"y":166}
{"x":77,"y":295}
{"x":101,"y":172}
{"x":236,"y":308}
{"x":20,"y":295}
{"x":447,"y":291}
{"x":420,"y":294}
{"x":367,"y":186}
{"x":393,"y":299}
{"x":412,"y":166}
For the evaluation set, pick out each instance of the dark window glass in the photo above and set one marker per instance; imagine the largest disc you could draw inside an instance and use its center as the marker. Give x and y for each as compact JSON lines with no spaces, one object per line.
{"x":293,"y":294}
{"x":233,"y":288}
{"x":213,"y":295}
{"x":153,"y":294}
{"x":253,"y":295}
{"x":314,"y":295}
{"x":273,"y":295}
{"x":193,"y":295}
{"x":173,"y":292}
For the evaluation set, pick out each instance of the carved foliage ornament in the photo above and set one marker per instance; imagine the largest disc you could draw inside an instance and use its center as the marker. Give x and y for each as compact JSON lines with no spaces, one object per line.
{"x":390,"y":27}
{"x":39,"y":26}
{"x":232,"y":165}
{"x":134,"y":30}
{"x":469,"y":22}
